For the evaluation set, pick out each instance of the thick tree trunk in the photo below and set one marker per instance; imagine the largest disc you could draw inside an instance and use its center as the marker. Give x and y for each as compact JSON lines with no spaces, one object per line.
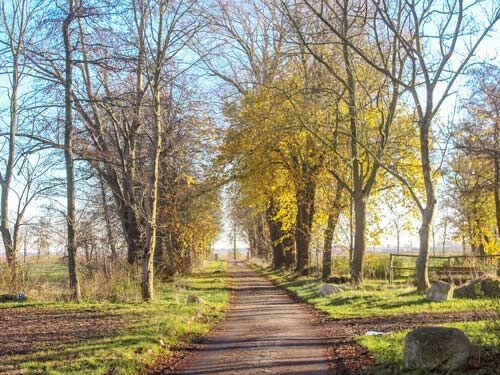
{"x":303,"y":224}
{"x":122,"y":187}
{"x":359,"y":248}
{"x":260,"y":237}
{"x":333,"y":217}
{"x":289,"y":249}
{"x":276,"y":235}
{"x":147,"y":284}
{"x":68,"y":157}
{"x":427,"y":212}
{"x":132,"y":235}
{"x":10,"y":244}
{"x":107,"y":219}
{"x":423,"y":255}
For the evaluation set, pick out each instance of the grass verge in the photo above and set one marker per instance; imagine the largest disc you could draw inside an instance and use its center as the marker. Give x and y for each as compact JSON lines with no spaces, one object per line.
{"x":374,"y":298}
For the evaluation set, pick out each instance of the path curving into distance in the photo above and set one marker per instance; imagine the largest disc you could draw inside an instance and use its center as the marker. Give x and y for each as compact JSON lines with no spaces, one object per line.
{"x":265,"y":332}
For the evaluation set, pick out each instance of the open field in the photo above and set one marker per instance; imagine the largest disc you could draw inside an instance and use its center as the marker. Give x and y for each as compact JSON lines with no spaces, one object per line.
{"x":115,"y":338}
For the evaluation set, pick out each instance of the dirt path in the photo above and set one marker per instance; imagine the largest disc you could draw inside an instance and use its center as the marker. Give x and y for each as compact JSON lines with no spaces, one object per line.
{"x":265,"y":332}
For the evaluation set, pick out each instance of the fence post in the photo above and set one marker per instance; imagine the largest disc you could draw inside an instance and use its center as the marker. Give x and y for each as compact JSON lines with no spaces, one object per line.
{"x":391,"y":275}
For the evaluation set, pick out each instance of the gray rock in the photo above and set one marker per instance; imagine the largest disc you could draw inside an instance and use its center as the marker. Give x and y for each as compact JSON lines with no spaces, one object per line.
{"x":440,"y":291}
{"x":328,"y":289}
{"x":485,"y":287}
{"x":469,"y":290}
{"x":490,"y":287}
{"x":436,"y":349}
{"x":192,"y":298}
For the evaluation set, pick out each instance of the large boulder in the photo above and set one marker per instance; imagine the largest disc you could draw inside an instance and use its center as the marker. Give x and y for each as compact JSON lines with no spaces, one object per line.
{"x":436,"y":349}
{"x":490,"y":287}
{"x":469,"y":290}
{"x":440,"y":291}
{"x":486,"y":287}
{"x":328,"y":289}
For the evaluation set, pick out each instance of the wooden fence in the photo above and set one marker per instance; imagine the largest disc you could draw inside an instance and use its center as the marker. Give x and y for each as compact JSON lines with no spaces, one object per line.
{"x":449,"y":266}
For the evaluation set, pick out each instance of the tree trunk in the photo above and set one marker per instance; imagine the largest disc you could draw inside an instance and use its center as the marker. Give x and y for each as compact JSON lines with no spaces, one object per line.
{"x":252,"y":242}
{"x":133,"y":236}
{"x":109,"y":229}
{"x":260,"y":237}
{"x":333,"y":217}
{"x":303,"y":224}
{"x":289,"y":249}
{"x":151,"y":233}
{"x":152,"y":200}
{"x":276,"y":235}
{"x":427,"y":212}
{"x":68,"y":157}
{"x":9,"y":242}
{"x":423,"y":254}
{"x":359,"y":248}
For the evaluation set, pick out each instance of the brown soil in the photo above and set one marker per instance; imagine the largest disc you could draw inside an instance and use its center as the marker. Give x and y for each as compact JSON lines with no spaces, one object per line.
{"x":351,"y":358}
{"x":28,"y":330}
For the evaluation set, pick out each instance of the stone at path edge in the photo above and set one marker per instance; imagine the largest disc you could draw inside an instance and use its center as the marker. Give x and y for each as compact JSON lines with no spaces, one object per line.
{"x":436,"y":349}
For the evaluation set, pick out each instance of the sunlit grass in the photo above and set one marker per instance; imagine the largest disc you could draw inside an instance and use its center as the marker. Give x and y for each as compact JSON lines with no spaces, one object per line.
{"x":374,"y":298}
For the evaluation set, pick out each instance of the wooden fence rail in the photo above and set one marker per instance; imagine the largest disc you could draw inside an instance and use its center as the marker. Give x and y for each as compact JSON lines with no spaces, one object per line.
{"x":447,"y":269}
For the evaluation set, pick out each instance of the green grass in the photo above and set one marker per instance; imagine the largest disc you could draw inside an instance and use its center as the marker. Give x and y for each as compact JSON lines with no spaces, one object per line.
{"x":53,"y":273}
{"x":136,"y":344}
{"x":374,"y":298}
{"x":388,"y":349}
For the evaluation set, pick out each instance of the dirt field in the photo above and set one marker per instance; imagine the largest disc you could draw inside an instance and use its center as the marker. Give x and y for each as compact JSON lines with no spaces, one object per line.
{"x":31,"y":330}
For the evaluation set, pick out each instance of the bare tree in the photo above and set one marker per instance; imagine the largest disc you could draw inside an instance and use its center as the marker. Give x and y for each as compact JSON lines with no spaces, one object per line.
{"x":68,"y":152}
{"x":479,"y":135}
{"x":16,"y":18}
{"x":438,"y":40}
